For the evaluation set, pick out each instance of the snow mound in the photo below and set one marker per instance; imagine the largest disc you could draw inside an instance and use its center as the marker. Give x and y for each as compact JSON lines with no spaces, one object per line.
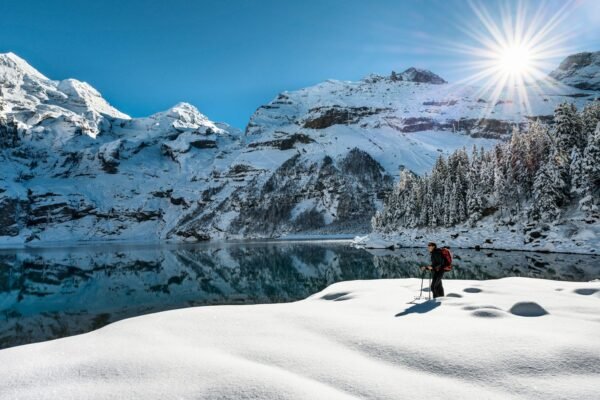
{"x":357,"y":339}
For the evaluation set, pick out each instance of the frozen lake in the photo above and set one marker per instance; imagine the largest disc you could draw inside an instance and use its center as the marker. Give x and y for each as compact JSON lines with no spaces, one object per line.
{"x":57,"y":292}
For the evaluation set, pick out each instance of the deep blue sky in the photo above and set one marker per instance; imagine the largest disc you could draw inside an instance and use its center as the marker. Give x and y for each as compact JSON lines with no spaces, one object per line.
{"x":228,"y":57}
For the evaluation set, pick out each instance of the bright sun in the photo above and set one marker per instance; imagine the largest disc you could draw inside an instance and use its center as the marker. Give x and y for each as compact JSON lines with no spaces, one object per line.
{"x":515,"y":60}
{"x":515,"y":50}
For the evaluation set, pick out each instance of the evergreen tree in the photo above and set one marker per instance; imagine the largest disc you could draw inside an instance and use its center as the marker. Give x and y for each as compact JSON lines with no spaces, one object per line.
{"x":576,"y":174}
{"x":486,"y":181}
{"x":537,"y":146}
{"x":591,"y":172}
{"x":567,"y":128}
{"x":590,"y":116}
{"x":499,"y":192}
{"x":548,"y":190}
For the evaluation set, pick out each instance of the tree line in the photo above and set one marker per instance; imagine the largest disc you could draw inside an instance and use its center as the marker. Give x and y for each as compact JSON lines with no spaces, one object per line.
{"x":541,"y":174}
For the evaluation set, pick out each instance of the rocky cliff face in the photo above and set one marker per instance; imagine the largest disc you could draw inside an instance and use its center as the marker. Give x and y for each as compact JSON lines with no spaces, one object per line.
{"x":317,"y":160}
{"x":307,"y":195}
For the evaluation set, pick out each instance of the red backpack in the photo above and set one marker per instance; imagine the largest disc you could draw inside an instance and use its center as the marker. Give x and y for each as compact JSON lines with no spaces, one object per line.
{"x":447,"y":256}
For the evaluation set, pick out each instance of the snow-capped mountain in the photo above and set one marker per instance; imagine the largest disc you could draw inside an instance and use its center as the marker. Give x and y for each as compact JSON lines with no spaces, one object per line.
{"x":30,"y":98}
{"x":316,"y":160}
{"x":580,"y":70}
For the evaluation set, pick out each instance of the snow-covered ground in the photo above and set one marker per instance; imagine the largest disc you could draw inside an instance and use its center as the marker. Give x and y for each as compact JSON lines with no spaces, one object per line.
{"x":574,"y":236}
{"x":512,"y":338}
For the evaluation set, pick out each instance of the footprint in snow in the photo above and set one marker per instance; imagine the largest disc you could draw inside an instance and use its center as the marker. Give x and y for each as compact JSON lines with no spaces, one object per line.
{"x":337,"y":296}
{"x":487,"y":313}
{"x":472,"y":290}
{"x":471,"y":308}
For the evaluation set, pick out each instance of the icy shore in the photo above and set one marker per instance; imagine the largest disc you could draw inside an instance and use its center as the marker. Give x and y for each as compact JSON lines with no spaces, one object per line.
{"x":572,"y":237}
{"x":495,"y":339}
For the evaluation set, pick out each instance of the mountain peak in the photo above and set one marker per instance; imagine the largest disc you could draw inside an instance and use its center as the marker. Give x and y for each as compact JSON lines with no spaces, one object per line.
{"x":82,"y":93}
{"x":413,"y":74}
{"x":581,"y":70}
{"x":12,"y":62}
{"x":187,"y":113}
{"x":183,"y":116}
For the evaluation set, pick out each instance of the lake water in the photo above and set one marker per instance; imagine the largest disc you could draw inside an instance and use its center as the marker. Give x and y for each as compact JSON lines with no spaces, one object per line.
{"x":57,"y":292}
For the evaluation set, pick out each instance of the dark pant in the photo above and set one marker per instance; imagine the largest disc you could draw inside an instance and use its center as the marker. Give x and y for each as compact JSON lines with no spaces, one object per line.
{"x":436,"y":283}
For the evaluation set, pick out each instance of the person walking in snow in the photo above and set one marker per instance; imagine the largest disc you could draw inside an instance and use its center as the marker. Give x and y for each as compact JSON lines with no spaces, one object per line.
{"x":437,"y":269}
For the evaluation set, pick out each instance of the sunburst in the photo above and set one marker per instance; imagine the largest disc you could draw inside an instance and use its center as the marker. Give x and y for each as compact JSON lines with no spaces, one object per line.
{"x":514,"y":51}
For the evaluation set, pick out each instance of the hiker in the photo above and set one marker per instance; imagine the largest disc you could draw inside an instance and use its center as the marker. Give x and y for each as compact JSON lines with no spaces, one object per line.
{"x":437,"y":268}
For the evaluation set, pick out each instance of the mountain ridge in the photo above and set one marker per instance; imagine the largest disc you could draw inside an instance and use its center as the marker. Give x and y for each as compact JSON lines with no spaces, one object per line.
{"x":315,"y":160}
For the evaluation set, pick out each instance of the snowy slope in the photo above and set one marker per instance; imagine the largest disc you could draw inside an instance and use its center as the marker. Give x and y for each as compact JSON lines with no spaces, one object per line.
{"x":512,"y":338}
{"x":317,"y":160}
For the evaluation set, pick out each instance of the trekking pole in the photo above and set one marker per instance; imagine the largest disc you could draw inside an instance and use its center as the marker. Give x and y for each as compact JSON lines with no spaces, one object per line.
{"x":430,"y":272}
{"x":422,"y":277}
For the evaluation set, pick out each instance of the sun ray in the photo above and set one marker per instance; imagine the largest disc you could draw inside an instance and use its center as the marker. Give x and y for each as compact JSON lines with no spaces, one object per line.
{"x":512,"y":51}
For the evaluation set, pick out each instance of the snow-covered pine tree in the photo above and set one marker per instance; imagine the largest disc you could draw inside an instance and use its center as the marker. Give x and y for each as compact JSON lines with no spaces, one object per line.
{"x":567,"y":128}
{"x":566,"y":135}
{"x":590,"y":116}
{"x":406,"y":188}
{"x":415,"y":204}
{"x":537,"y":145}
{"x":425,"y":212}
{"x":462,"y":210}
{"x":499,"y":192}
{"x":437,"y":216}
{"x":517,"y":177}
{"x":474,"y":203}
{"x":548,"y":192}
{"x":460,"y":199}
{"x":449,"y":201}
{"x":486,"y":182}
{"x":576,"y":174}
{"x":591,"y":172}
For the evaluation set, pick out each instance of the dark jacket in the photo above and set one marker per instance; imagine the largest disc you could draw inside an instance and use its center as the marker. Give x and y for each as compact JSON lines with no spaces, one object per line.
{"x":437,"y":261}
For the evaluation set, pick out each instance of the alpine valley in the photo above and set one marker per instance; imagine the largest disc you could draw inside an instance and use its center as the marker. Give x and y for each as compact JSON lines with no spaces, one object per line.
{"x":316,"y":161}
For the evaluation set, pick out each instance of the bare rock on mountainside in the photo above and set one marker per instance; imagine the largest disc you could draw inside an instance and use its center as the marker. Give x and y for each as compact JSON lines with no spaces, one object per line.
{"x":413,"y":74}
